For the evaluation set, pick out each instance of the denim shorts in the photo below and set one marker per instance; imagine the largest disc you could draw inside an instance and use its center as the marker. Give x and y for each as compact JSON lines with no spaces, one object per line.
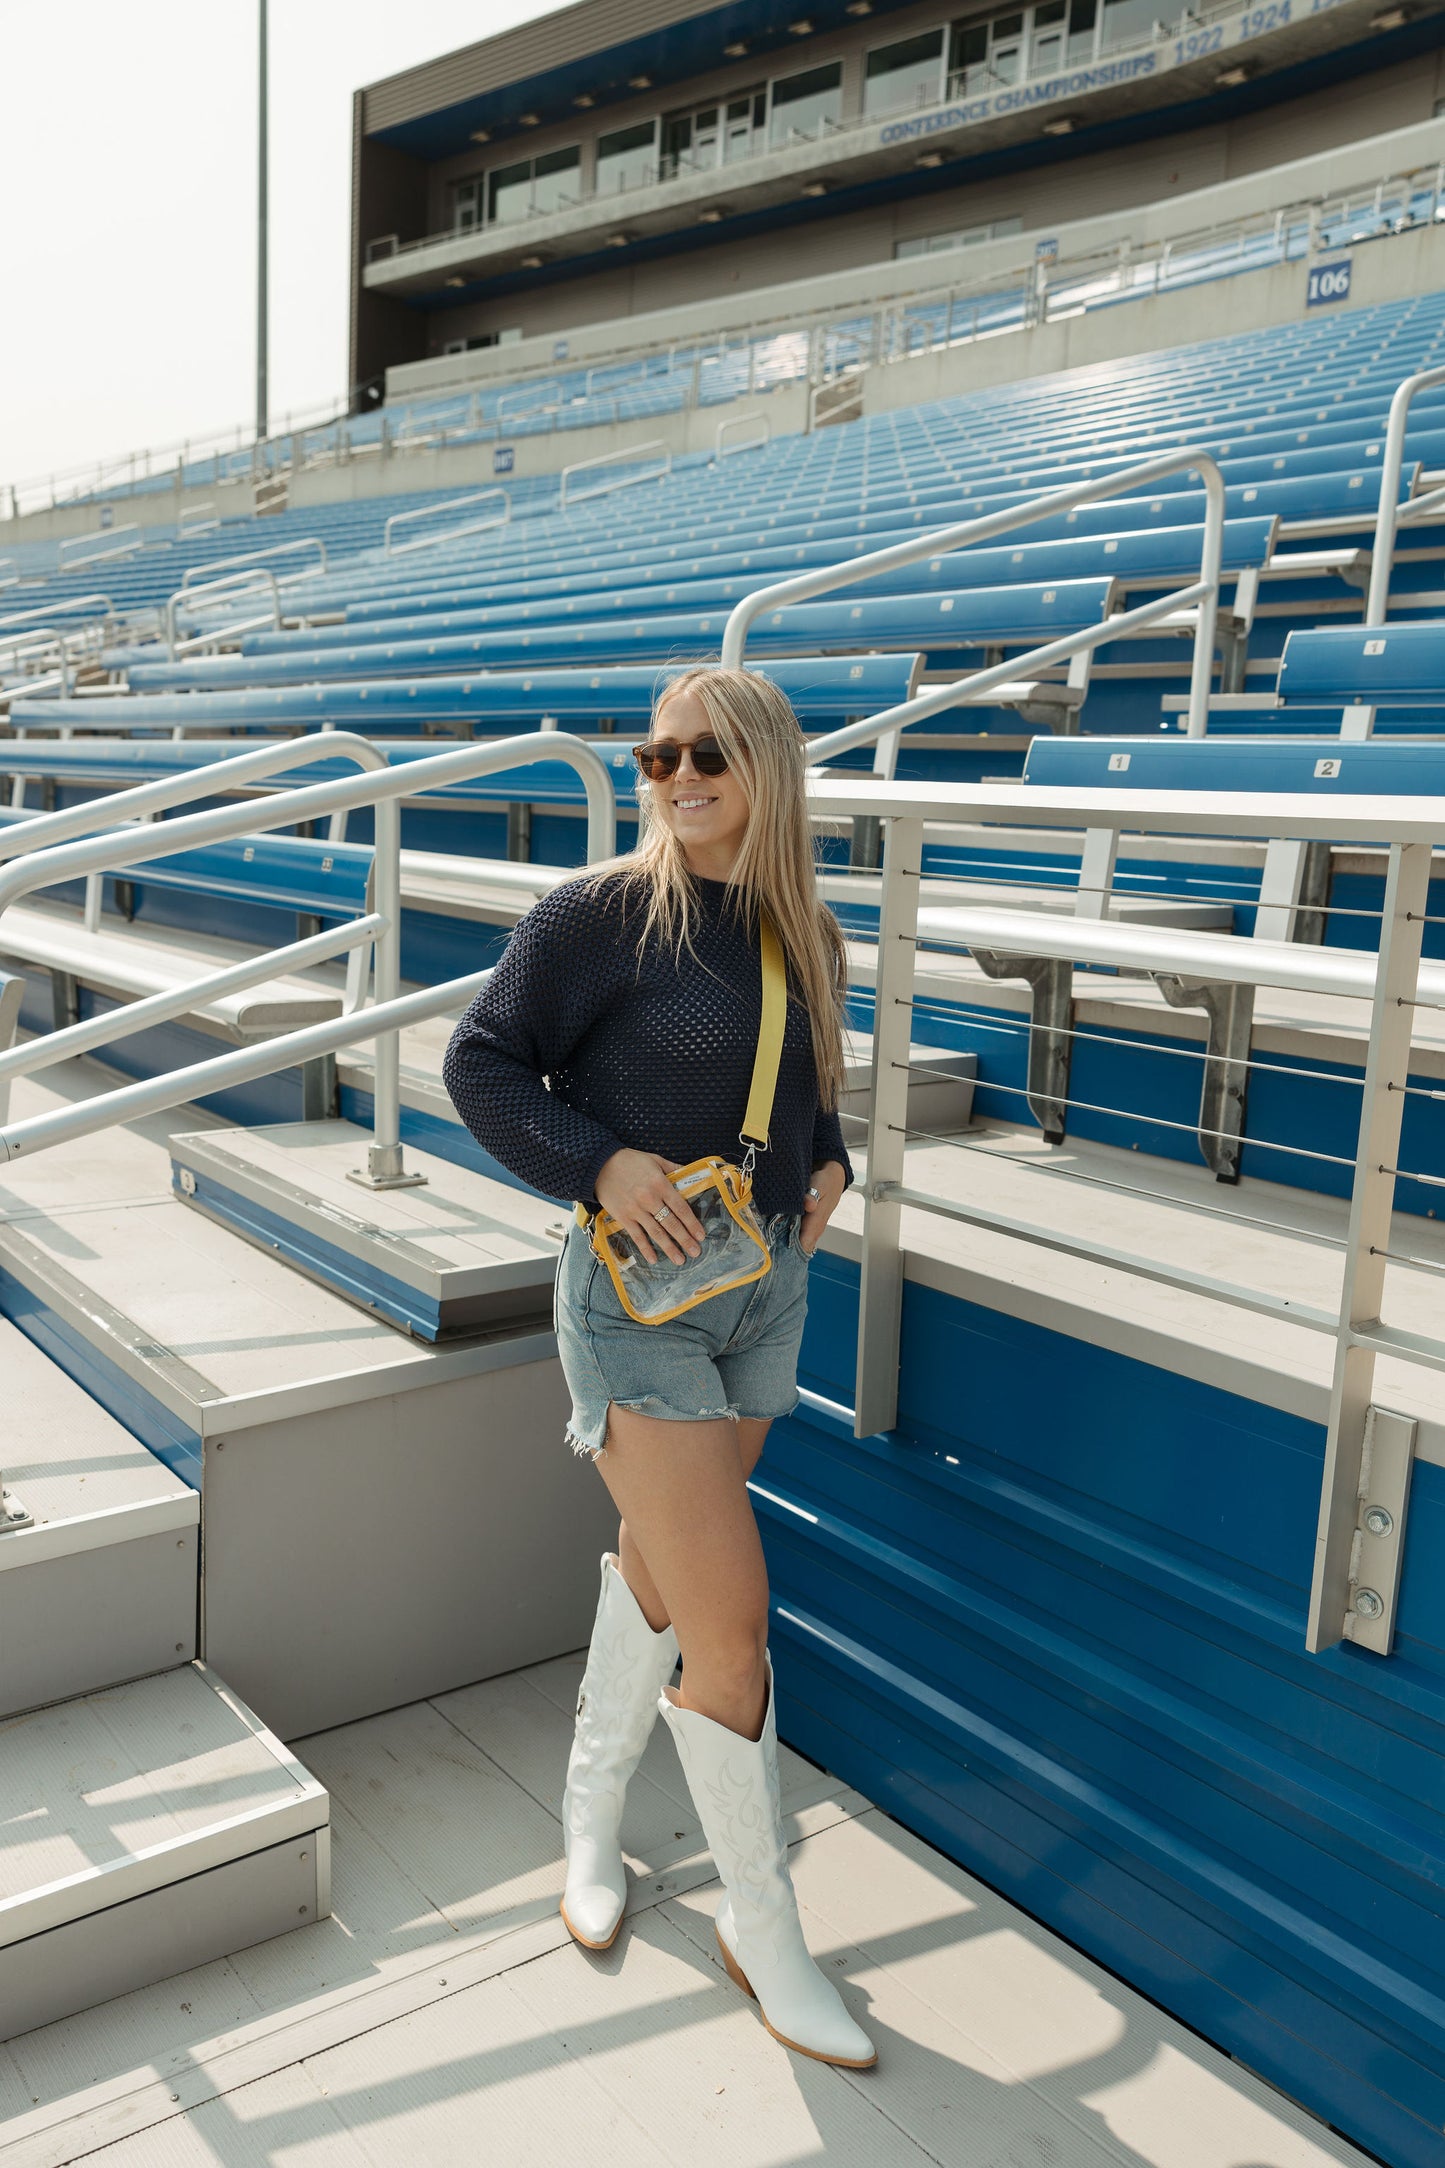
{"x":735,"y":1355}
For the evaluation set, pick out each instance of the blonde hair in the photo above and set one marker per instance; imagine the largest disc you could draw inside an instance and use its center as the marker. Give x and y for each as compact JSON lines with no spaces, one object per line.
{"x":775,"y":870}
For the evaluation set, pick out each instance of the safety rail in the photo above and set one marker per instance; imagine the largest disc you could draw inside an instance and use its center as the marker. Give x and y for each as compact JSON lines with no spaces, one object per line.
{"x":257,"y":557}
{"x":66,"y":608}
{"x":194,"y":519}
{"x":47,"y":862}
{"x":1203,"y":595}
{"x":9,"y":572}
{"x":534,"y":391}
{"x":722,"y":450}
{"x":448,"y":534}
{"x":230,"y":583}
{"x":623,"y":481}
{"x":1368,"y":1447}
{"x":1392,"y":515}
{"x":134,"y":540}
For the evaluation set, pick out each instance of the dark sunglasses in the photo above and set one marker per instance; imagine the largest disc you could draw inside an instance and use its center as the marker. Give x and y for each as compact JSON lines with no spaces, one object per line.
{"x":659,"y":758}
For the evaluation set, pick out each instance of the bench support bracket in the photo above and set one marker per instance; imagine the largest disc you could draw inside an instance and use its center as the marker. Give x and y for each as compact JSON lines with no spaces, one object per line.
{"x":12,"y":1513}
{"x":1050,"y":980}
{"x":1230,"y":1010}
{"x":320,"y":1100}
{"x":1385,"y":1466}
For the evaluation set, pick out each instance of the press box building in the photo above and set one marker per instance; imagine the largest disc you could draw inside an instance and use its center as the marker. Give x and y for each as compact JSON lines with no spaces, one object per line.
{"x":619,"y":157}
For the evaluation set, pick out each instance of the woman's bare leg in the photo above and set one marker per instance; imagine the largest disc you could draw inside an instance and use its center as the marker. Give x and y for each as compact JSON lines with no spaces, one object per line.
{"x":681,"y":1490}
{"x":751,"y":1437}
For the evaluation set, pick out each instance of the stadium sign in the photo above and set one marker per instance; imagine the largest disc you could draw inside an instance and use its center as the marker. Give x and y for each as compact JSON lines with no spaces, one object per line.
{"x":1240,"y":28}
{"x":1329,"y":282}
{"x":503,"y":458}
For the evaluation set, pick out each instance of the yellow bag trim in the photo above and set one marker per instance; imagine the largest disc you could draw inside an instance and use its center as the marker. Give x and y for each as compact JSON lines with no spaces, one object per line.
{"x":736,"y":1192}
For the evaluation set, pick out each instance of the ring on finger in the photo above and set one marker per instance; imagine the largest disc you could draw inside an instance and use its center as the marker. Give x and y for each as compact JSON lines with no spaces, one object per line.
{"x":664,"y":1211}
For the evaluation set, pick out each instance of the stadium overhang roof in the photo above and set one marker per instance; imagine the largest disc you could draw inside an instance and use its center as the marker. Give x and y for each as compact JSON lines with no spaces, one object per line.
{"x":544,"y":66}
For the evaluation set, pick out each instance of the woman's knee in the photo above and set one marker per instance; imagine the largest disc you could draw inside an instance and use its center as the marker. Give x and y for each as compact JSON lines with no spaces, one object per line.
{"x":731,"y":1655}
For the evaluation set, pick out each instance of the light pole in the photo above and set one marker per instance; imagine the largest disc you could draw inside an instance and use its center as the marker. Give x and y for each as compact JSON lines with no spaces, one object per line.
{"x":262,"y":419}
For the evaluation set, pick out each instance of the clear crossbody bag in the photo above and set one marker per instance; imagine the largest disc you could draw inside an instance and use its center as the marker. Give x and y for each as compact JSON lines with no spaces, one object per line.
{"x":734,"y":1250}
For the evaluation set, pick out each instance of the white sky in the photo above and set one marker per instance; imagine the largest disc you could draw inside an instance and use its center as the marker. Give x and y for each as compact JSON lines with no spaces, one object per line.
{"x":128,"y":207}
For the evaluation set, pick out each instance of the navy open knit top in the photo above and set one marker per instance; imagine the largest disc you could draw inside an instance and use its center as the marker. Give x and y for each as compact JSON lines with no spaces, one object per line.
{"x":640,"y":1049}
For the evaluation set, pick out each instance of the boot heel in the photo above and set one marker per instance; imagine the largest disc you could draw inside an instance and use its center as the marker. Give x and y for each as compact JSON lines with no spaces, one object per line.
{"x":734,"y":1970}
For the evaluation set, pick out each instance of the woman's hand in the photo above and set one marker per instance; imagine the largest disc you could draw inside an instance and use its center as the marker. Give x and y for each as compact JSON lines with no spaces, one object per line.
{"x":634,"y":1188}
{"x":829,"y":1181}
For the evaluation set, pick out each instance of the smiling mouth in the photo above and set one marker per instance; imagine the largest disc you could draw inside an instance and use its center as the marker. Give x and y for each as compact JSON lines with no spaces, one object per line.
{"x":691,"y":805}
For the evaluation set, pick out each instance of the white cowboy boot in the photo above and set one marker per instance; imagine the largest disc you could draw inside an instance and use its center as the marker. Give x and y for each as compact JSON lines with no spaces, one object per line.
{"x":627,"y":1666}
{"x":734,"y":1786}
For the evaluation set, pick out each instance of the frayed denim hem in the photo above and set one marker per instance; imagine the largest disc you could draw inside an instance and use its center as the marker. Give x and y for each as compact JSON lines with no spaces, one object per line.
{"x":649,"y":1404}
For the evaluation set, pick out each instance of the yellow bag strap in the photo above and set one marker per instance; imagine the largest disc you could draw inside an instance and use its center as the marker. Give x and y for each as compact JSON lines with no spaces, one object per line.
{"x":754,"y":1131}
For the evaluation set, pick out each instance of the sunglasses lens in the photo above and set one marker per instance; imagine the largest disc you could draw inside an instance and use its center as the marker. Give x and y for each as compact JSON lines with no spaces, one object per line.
{"x":656,"y":760}
{"x":660,"y":760}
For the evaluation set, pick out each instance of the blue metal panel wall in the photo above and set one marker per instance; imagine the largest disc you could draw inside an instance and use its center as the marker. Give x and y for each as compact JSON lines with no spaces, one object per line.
{"x":1055,"y":1624}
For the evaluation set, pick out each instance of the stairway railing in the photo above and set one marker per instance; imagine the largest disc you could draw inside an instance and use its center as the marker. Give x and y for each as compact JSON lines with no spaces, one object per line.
{"x":1203,"y":594}
{"x":1392,"y":515}
{"x":46,"y":863}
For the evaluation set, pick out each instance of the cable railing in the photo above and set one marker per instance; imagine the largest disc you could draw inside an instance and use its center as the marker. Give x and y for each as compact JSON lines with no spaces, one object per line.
{"x":1368,"y":1446}
{"x":56,"y":848}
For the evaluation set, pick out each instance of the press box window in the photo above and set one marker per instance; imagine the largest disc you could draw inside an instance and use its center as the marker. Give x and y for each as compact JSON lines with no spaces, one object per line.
{"x":933,"y":244}
{"x":904,"y":75}
{"x":627,"y":158}
{"x":534,"y":186}
{"x":983,"y":55}
{"x":805,"y":105}
{"x":469,"y":204}
{"x":713,"y":134}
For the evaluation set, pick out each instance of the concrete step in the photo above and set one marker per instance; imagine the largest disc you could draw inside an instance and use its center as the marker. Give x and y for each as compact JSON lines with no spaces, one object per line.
{"x":100,"y":1582}
{"x":143,"y":1831}
{"x":458,"y":1253}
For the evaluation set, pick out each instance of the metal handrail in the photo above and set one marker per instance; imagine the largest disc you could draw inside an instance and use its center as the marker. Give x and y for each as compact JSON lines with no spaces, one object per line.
{"x":625,"y":481}
{"x":1393,"y":982}
{"x":801,"y":586}
{"x":448,"y":534}
{"x":132,"y":527}
{"x":383,"y":787}
{"x":193,"y":519}
{"x":1387,"y":518}
{"x":528,"y":387}
{"x":55,"y":609}
{"x":741,"y":421}
{"x":229,"y":583}
{"x":256,"y":557}
{"x":142,"y":800}
{"x":44,"y":1052}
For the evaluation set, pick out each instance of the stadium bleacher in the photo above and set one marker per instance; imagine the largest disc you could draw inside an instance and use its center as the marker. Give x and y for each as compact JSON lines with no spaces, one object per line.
{"x":1145,"y":977}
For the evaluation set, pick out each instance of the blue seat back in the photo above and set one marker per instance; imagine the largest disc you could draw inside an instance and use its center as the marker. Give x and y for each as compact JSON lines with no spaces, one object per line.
{"x":1369,"y":665}
{"x":1365,"y":766}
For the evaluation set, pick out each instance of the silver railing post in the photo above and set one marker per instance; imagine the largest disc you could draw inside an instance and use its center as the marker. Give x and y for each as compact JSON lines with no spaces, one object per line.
{"x":1387,"y":518}
{"x":1202,"y":671}
{"x":384,"y":1167}
{"x":880,"y":1289}
{"x":1338,"y":1606}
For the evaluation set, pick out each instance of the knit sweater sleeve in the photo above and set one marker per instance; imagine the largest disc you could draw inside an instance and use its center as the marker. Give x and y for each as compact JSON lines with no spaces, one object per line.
{"x":828,"y":1142}
{"x":555,"y":978}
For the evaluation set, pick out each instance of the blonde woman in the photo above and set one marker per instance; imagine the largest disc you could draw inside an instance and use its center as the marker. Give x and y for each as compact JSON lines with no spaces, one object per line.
{"x":614,"y":1044}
